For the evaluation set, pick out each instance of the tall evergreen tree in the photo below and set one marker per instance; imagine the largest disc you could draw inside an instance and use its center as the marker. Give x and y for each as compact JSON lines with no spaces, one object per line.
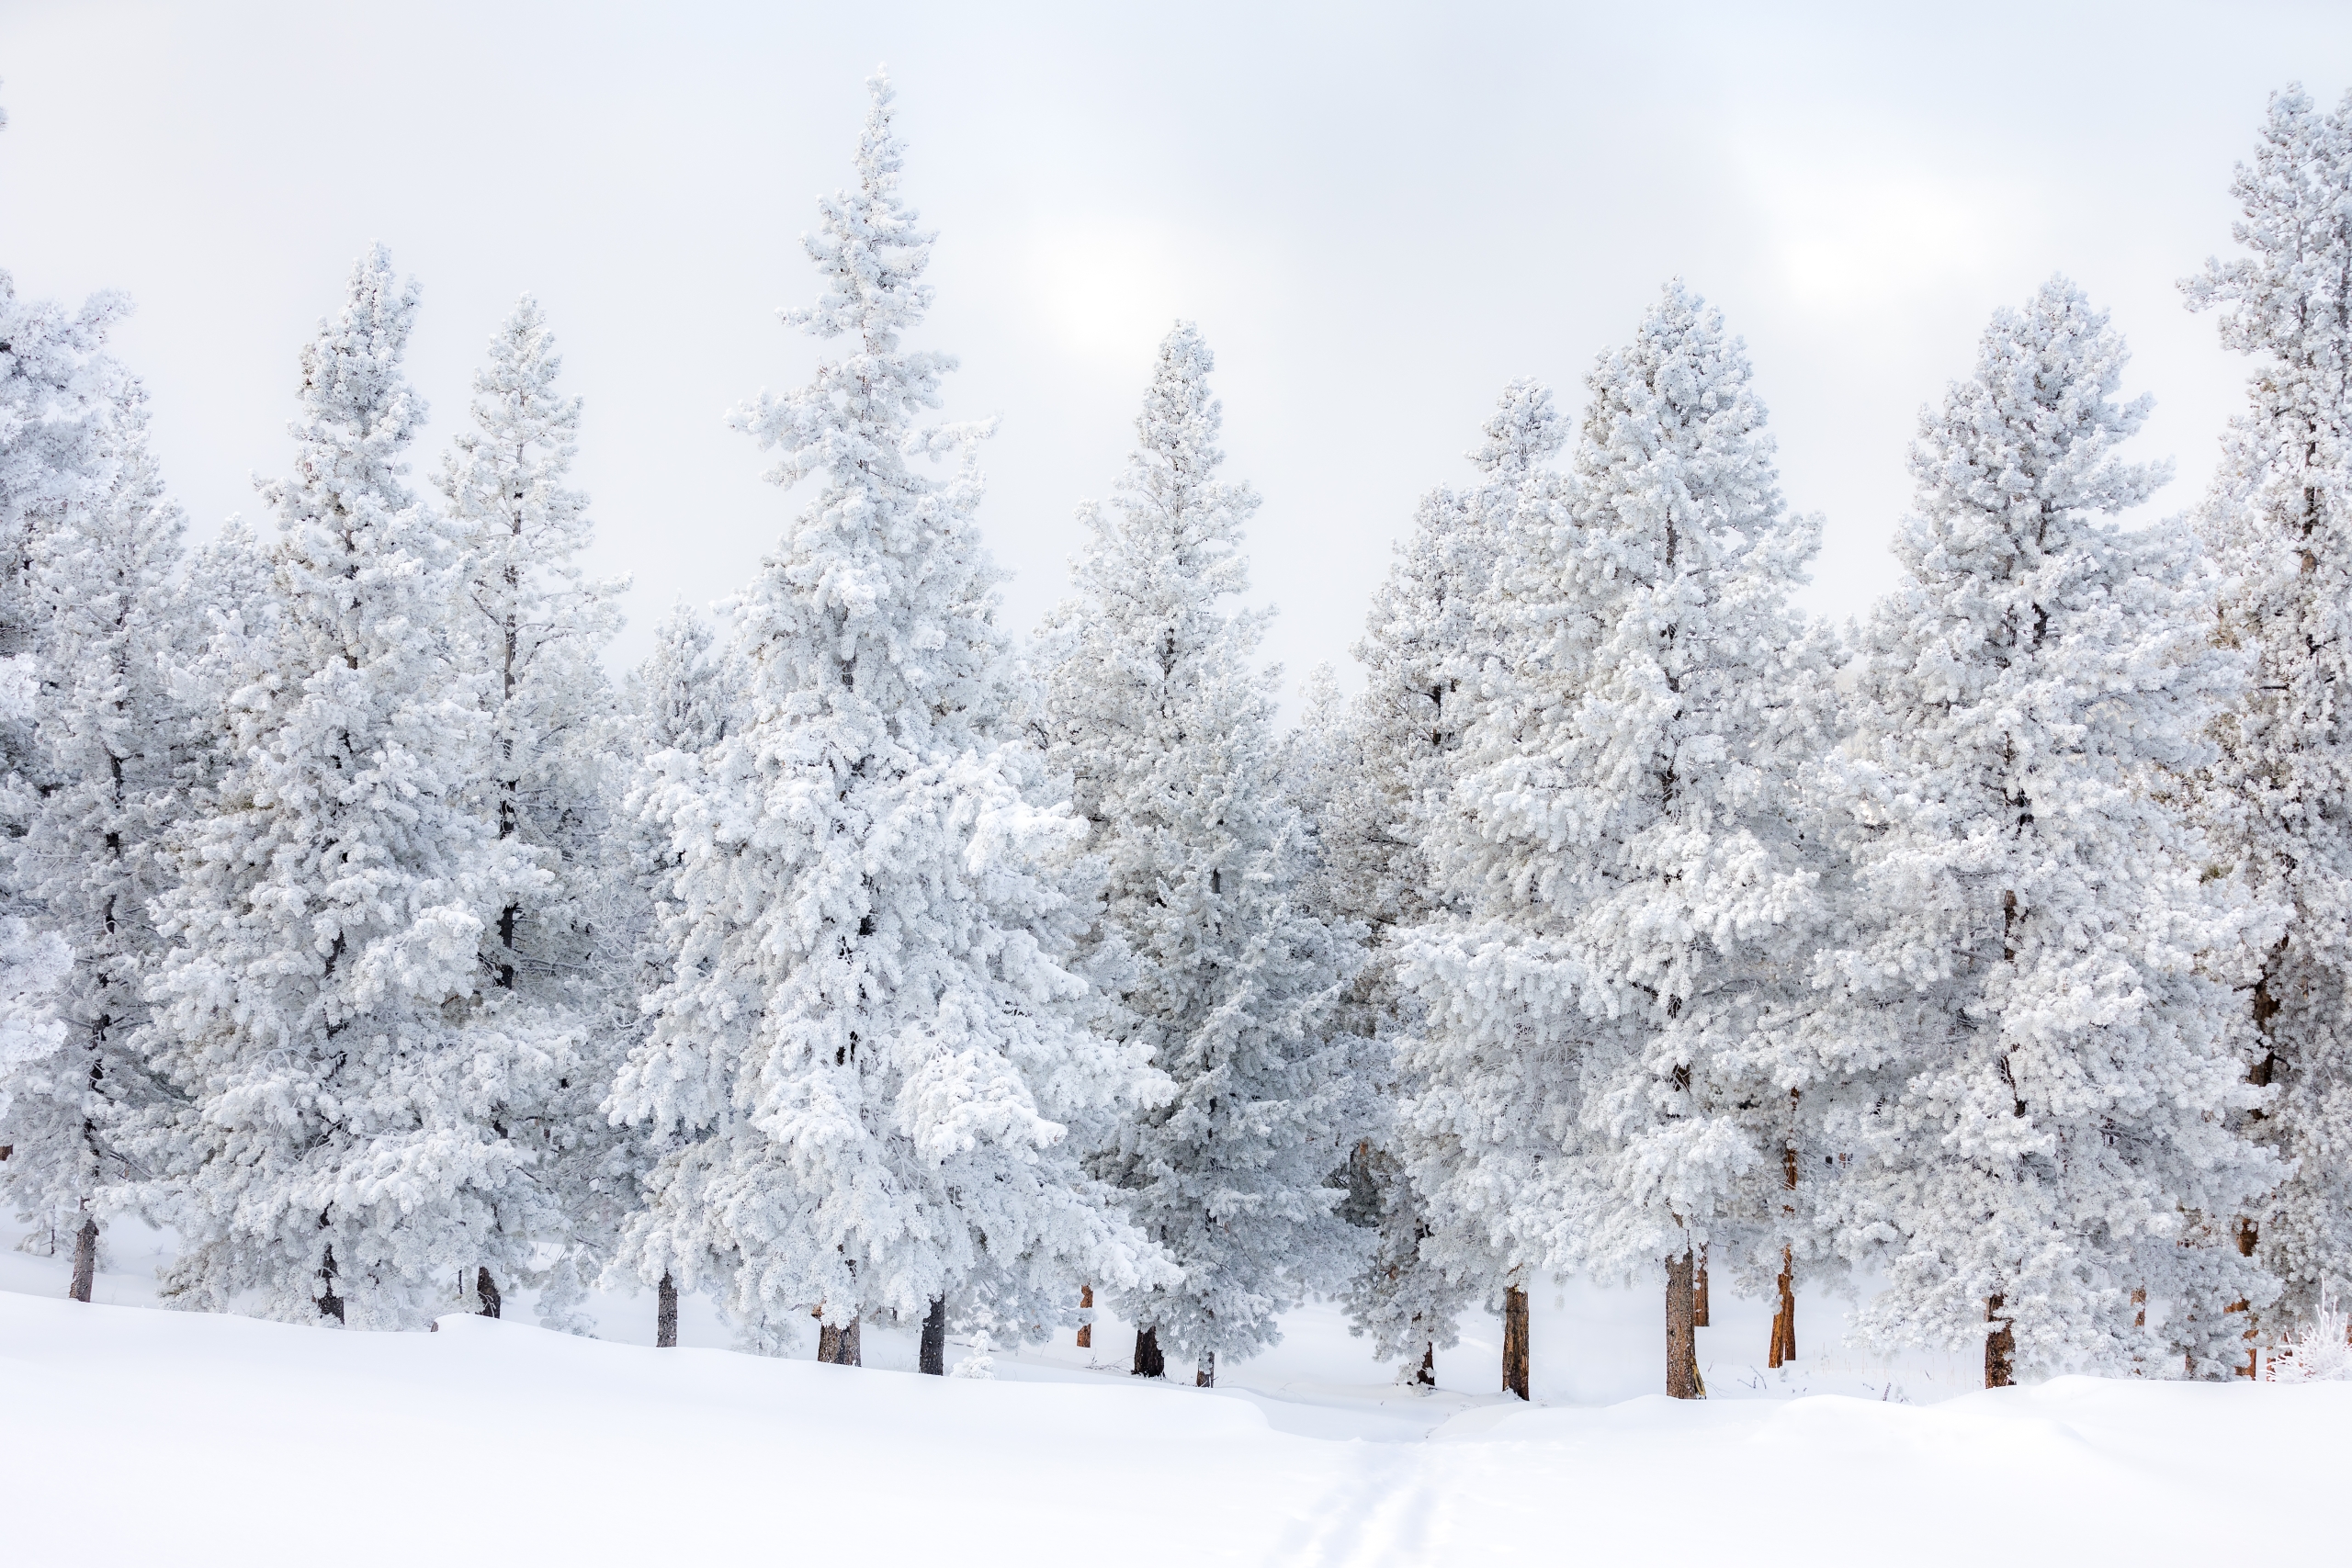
{"x":870,"y":1058}
{"x":351,"y":1078}
{"x":1169,"y":736}
{"x":2278,"y":523}
{"x":1630,"y":834}
{"x":530,"y":628}
{"x":114,"y":745}
{"x":2042,"y":1053}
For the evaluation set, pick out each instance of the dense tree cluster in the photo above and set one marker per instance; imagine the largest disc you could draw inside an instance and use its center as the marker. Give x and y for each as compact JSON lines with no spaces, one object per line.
{"x":859,"y":961}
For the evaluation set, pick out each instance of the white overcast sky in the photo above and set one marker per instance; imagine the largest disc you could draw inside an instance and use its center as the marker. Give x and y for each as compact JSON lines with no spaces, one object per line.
{"x":1378,"y":215}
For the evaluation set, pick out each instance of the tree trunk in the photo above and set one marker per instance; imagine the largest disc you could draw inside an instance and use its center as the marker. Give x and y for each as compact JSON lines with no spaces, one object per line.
{"x":933,"y":1356}
{"x":86,"y":1260}
{"x":1515,"y":1341}
{"x":1205,"y":1370}
{"x":665,"y":1314}
{"x":1699,"y":1293}
{"x":2000,"y":1347}
{"x":1784,"y":1316}
{"x":330,"y":1304}
{"x":1427,"y":1376}
{"x":837,"y":1345}
{"x":1086,"y":1329}
{"x":487,"y":1293}
{"x":1681,"y":1339}
{"x":1150,"y":1362}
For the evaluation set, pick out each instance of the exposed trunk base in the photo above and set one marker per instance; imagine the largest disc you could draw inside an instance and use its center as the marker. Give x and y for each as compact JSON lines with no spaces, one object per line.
{"x":1427,"y":1376}
{"x":932,"y":1359}
{"x":1515,"y":1341}
{"x":86,"y":1260}
{"x":1205,"y":1370}
{"x":1085,"y":1330}
{"x":1683,"y":1381}
{"x":330,"y":1304}
{"x":487,"y":1291}
{"x":665,"y":1314}
{"x":1784,"y":1316}
{"x":837,"y":1345}
{"x":2000,"y":1347}
{"x":1699,"y":1293}
{"x":1150,"y":1362}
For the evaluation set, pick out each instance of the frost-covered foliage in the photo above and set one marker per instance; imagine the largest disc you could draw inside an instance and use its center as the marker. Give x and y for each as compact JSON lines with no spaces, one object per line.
{"x":115,"y":752}
{"x":2278,"y":523}
{"x":1169,"y":734}
{"x":346,"y":1080}
{"x":864,"y":1070}
{"x":529,"y":630}
{"x":1378,"y":775}
{"x":2045,"y":1061}
{"x":1604,"y":1081}
{"x":2319,"y":1349}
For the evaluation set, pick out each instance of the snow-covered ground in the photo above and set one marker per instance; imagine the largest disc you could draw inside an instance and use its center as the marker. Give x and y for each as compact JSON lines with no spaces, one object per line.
{"x":139,"y":1437}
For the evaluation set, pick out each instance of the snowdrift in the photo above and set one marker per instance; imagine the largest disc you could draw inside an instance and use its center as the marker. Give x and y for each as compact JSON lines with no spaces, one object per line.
{"x":140,"y":1437}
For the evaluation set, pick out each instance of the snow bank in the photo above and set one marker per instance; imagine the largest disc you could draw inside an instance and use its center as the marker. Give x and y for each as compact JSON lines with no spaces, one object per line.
{"x":141,"y":1437}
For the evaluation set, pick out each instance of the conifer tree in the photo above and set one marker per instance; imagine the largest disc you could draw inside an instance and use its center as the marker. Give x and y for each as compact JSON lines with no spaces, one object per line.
{"x":348,"y":1078}
{"x":114,"y":746}
{"x":1169,"y":735}
{"x":530,"y":628}
{"x":865,"y":1069}
{"x":2278,"y":524}
{"x":1606,"y":1066}
{"x":2041,"y":1058}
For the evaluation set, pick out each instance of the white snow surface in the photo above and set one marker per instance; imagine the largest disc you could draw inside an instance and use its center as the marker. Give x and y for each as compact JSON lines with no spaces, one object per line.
{"x":135,"y":1436}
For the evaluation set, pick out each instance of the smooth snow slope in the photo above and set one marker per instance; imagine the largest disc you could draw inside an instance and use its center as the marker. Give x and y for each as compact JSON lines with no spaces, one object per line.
{"x":141,"y":1437}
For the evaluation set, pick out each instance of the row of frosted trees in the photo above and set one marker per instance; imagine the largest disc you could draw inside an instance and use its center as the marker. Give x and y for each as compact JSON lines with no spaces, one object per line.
{"x":859,"y":962}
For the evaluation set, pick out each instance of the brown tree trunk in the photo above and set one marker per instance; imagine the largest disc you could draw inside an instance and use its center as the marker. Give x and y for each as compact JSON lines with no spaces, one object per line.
{"x":1681,"y":1340}
{"x":1205,"y":1370}
{"x":931,"y":1357}
{"x":487,"y":1291}
{"x":1150,"y":1362}
{"x":837,"y":1345}
{"x":1699,"y":1293}
{"x":330,"y":1304}
{"x":1515,"y":1341}
{"x":1085,"y":1330}
{"x":1427,"y":1376}
{"x":665,"y":1314}
{"x":2000,"y":1347}
{"x":86,"y":1260}
{"x":1784,"y":1316}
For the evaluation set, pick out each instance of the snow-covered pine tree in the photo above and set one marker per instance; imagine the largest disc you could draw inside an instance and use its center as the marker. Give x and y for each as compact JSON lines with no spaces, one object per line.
{"x":1606,"y":1081}
{"x":869,"y":1059}
{"x":530,"y":628}
{"x":1385,"y":773}
{"x":1169,"y":736}
{"x":2043,"y":1061}
{"x":2278,"y":524}
{"x":349,"y":1074}
{"x":677,"y":703}
{"x":114,"y":748}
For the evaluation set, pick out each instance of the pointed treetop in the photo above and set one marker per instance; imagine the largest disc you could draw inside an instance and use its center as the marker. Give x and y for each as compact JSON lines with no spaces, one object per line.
{"x":870,"y":246}
{"x":1523,"y":431}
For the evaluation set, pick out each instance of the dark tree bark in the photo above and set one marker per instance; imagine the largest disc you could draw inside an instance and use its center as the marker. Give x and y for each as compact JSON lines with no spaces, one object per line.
{"x":1205,"y":1370}
{"x":330,"y":1304}
{"x":2000,"y":1347}
{"x":933,"y":1356}
{"x":665,"y":1314}
{"x":1699,"y":1293}
{"x":1150,"y":1362}
{"x":487,"y":1290}
{"x":86,"y":1260}
{"x":837,"y":1345}
{"x":1683,"y":1380}
{"x":1427,"y":1376}
{"x":1086,"y":1303}
{"x":1515,"y":1341}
